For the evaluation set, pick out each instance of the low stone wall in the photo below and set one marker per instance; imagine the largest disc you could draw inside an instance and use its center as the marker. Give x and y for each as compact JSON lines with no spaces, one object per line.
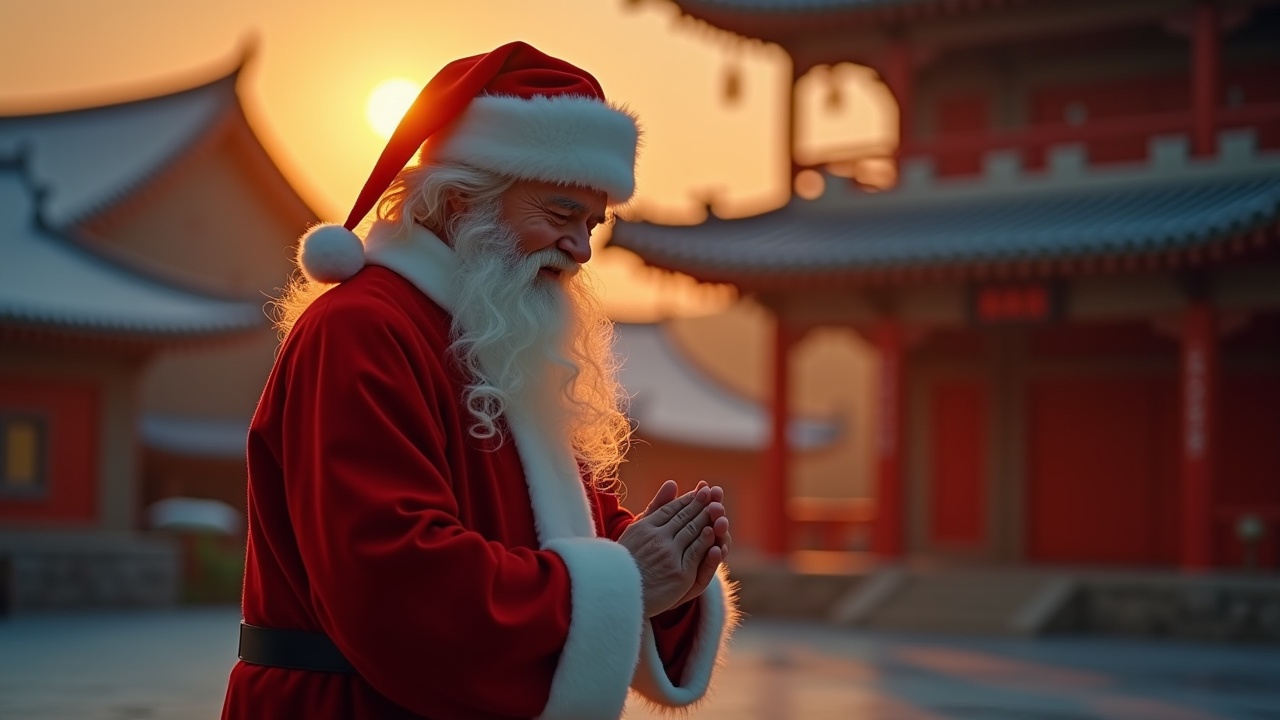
{"x":1210,"y":607}
{"x":54,"y":571}
{"x":1216,"y":607}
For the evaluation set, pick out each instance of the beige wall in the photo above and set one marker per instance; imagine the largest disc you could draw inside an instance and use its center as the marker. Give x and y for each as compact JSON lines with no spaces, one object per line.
{"x":832,"y":372}
{"x":220,"y":380}
{"x":216,"y":225}
{"x":211,"y":226}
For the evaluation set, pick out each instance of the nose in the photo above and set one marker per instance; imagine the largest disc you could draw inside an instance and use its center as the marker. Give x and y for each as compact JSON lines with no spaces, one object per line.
{"x":577,"y":244}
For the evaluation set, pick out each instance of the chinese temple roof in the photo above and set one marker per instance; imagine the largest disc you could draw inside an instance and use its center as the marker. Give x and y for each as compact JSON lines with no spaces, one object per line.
{"x":674,"y":400}
{"x":1039,"y":227}
{"x":795,"y":21}
{"x":48,"y":280}
{"x":98,"y":156}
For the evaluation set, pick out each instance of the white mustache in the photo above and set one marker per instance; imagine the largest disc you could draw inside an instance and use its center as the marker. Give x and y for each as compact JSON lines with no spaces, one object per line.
{"x":551,"y":258}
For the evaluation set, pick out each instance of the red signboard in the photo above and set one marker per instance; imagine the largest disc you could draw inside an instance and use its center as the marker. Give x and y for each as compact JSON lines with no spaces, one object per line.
{"x":1003,"y":303}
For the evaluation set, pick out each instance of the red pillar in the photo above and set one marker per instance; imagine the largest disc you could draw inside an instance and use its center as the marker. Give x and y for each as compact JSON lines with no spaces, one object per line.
{"x":1199,"y":377}
{"x":792,"y":121}
{"x":898,"y":75}
{"x":887,"y":540}
{"x":776,"y":481}
{"x":1205,"y":68}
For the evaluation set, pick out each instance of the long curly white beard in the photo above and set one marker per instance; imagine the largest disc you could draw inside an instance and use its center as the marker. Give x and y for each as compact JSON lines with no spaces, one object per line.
{"x":540,"y":342}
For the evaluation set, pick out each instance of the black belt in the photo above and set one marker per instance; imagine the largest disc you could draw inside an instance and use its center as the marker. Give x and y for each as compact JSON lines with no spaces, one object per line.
{"x":294,"y":649}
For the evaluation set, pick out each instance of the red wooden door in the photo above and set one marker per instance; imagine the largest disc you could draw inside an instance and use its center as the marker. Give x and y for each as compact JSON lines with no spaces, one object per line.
{"x":958,"y":440}
{"x":1247,"y":472}
{"x":1102,"y":470}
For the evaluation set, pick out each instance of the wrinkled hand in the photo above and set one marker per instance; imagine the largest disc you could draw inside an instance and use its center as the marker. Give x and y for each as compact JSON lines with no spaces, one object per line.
{"x":672,"y":541}
{"x":716,"y":554}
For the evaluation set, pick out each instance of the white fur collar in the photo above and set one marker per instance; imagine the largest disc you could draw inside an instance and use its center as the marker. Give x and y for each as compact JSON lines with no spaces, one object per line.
{"x":556,"y":491}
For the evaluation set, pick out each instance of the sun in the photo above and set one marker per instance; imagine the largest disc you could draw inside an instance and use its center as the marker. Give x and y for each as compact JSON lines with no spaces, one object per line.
{"x":387,"y":104}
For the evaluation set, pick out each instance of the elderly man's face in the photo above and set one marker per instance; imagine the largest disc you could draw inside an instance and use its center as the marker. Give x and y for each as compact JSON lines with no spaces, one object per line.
{"x":544,"y":215}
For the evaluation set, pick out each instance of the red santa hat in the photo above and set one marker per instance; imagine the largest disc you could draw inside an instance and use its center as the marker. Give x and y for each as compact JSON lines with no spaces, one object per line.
{"x":515,"y":111}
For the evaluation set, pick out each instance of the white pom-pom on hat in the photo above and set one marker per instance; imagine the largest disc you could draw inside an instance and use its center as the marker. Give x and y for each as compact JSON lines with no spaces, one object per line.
{"x":330,"y":253}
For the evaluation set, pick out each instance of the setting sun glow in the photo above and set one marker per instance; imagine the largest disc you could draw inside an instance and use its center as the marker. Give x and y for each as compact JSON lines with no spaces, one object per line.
{"x":388,"y":103}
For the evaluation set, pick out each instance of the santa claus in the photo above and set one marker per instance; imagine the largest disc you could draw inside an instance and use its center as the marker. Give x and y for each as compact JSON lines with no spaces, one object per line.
{"x":434,"y":530}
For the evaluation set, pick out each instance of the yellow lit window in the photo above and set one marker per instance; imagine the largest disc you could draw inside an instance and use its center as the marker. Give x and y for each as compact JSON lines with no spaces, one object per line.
{"x":22,"y":443}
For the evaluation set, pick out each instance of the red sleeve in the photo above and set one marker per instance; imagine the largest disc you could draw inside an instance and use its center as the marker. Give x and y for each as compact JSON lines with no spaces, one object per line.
{"x":674,"y":630}
{"x":433,"y":615}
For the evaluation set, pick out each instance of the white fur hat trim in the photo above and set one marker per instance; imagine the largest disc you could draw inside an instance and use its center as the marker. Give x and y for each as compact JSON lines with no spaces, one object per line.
{"x":330,"y":253}
{"x":567,"y":140}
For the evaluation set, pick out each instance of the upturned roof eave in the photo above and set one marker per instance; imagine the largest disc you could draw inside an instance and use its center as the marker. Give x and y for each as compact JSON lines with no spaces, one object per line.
{"x":227,"y":116}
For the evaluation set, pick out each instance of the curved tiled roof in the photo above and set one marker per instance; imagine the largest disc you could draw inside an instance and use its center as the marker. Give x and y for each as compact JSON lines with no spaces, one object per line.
{"x":893,"y":230}
{"x":800,"y":23}
{"x":674,"y":400}
{"x":49,"y":280}
{"x":795,"y":5}
{"x":98,"y":155}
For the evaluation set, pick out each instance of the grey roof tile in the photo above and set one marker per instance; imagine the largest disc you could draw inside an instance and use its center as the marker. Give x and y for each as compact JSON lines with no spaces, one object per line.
{"x":889,"y":231}
{"x":50,"y":280}
{"x":95,"y":156}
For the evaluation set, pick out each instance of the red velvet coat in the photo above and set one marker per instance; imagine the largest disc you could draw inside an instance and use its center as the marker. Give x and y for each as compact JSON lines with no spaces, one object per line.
{"x":462,"y":579}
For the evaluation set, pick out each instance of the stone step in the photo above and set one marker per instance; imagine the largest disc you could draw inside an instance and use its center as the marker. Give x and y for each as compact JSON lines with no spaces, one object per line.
{"x":965,"y":602}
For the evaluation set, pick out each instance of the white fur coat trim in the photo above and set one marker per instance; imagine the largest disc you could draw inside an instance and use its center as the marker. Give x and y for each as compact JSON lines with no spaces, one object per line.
{"x":560,"y":507}
{"x":566,"y":140}
{"x":604,"y":652}
{"x":710,"y":645}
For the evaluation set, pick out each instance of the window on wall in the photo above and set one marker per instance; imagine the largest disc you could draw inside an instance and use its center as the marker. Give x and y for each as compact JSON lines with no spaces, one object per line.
{"x":24,"y":467}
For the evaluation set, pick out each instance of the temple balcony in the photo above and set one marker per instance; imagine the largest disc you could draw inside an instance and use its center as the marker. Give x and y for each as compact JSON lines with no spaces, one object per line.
{"x":1160,"y":141}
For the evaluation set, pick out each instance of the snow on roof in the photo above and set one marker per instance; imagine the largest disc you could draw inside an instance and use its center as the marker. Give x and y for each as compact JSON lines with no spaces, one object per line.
{"x":48,"y":279}
{"x":197,"y":436}
{"x":674,"y":400}
{"x":194,"y":514}
{"x":97,"y":155}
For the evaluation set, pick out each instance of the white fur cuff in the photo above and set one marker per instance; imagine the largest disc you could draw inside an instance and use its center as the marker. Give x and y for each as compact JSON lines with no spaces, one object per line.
{"x":717,"y":622}
{"x":599,"y":656}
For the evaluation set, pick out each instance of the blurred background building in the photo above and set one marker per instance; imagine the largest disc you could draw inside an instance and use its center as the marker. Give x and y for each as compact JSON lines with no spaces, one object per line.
{"x":1032,"y":333}
{"x":1072,"y":287}
{"x":142,"y":239}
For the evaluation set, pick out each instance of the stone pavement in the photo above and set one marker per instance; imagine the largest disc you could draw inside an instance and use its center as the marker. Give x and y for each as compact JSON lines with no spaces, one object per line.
{"x":172,"y":665}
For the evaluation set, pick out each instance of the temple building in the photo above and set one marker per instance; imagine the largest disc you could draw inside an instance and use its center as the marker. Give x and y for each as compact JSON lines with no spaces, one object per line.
{"x":690,"y":425}
{"x":1073,"y":286}
{"x":139,"y":243}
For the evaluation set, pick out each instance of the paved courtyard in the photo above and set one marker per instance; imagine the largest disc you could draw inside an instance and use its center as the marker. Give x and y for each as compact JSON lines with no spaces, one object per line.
{"x":173,"y":665}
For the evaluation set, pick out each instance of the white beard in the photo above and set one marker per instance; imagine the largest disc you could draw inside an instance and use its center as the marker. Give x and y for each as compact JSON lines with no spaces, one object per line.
{"x":513,"y":327}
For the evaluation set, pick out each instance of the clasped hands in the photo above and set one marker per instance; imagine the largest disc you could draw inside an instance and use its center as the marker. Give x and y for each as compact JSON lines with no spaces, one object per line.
{"x":678,"y":542}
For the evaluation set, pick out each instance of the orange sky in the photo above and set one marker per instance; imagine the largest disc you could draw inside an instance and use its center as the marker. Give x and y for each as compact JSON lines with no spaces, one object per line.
{"x":317,"y":61}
